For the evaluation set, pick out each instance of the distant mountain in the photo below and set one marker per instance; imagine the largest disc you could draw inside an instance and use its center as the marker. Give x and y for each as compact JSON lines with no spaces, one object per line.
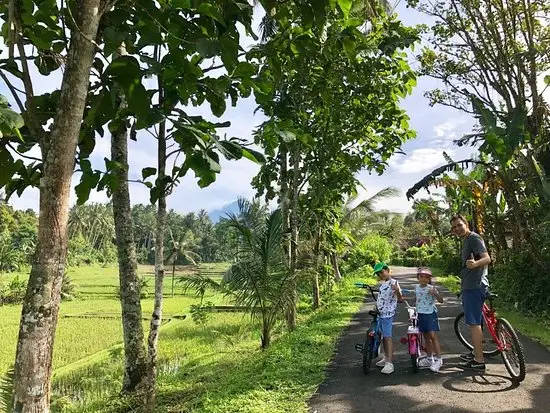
{"x":223,"y":211}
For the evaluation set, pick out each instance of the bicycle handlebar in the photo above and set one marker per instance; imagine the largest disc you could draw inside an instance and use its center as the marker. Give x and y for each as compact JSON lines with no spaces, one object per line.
{"x":371,"y":289}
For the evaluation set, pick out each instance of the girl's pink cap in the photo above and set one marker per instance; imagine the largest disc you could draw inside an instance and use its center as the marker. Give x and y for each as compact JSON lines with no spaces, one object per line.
{"x":424,"y":270}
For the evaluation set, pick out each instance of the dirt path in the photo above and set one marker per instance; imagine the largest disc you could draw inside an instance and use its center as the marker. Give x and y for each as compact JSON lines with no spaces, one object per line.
{"x":347,"y":390}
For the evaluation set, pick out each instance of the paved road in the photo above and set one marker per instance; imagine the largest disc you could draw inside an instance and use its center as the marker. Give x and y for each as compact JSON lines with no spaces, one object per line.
{"x":347,"y":390}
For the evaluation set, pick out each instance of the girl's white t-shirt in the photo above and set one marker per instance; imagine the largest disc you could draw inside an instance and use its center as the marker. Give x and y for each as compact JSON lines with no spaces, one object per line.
{"x":425,"y":302}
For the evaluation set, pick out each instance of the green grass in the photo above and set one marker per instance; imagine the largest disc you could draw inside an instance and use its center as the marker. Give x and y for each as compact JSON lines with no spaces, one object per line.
{"x":219,"y":367}
{"x":81,"y":332}
{"x":533,"y":326}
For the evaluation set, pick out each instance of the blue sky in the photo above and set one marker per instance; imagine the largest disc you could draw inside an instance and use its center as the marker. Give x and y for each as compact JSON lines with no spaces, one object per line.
{"x":436,"y":128}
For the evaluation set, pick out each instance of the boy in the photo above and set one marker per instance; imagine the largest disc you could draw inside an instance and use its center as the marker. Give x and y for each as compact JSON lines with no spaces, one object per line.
{"x":388,"y":296}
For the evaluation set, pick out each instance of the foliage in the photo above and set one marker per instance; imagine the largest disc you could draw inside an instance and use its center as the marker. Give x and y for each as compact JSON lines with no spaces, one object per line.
{"x":258,"y":279}
{"x":522,"y":278}
{"x":370,"y":250}
{"x":200,"y":313}
{"x":13,"y":292}
{"x":6,"y":390}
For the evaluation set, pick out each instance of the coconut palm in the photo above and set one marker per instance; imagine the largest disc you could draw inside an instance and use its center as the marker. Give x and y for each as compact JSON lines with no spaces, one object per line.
{"x":183,"y":246}
{"x":356,"y":215}
{"x":259,"y":279}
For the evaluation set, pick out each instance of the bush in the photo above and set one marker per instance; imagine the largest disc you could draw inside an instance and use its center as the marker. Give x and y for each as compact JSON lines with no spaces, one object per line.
{"x":447,"y":256}
{"x":13,"y":292}
{"x":368,"y":251}
{"x":522,"y":276}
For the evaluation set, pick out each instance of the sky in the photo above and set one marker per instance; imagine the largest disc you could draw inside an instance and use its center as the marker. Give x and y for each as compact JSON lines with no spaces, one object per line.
{"x":436,"y":128}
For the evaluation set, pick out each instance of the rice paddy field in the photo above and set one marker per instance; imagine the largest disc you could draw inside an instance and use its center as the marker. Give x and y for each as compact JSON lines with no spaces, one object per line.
{"x":91,"y":322}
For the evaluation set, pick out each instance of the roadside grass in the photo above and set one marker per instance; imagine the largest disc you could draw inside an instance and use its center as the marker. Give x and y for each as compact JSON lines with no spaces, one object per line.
{"x":219,"y":367}
{"x":535,"y":326}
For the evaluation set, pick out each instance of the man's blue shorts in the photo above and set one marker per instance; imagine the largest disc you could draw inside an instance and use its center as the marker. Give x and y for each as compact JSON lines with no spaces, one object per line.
{"x":428,"y":322}
{"x":472,"y":302}
{"x":386,"y":326}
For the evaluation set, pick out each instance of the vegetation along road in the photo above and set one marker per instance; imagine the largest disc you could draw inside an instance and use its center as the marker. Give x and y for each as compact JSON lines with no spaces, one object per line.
{"x":346,"y":389}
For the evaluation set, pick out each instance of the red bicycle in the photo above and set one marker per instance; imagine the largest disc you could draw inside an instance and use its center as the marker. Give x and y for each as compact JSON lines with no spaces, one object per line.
{"x":499,"y":337}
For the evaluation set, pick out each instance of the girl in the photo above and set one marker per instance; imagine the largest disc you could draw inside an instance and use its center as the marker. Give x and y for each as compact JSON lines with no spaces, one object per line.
{"x":428,"y":323}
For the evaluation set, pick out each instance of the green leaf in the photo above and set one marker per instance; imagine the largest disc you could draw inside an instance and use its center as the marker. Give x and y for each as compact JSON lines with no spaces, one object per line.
{"x":7,"y":165}
{"x":147,"y":172}
{"x":208,"y":47}
{"x":229,"y":44}
{"x":254,"y":156}
{"x":345,"y":6}
{"x":287,"y":136}
{"x":88,"y":181}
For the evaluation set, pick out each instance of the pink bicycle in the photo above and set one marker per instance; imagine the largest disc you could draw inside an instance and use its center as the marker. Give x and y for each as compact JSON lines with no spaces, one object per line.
{"x":414,"y":338}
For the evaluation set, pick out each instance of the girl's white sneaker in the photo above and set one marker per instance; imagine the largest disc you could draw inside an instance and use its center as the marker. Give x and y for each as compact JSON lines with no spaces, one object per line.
{"x":388,"y":369}
{"x":381,"y":362}
{"x":436,"y":365}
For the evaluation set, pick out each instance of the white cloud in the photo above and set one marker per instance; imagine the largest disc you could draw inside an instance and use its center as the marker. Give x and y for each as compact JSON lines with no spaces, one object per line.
{"x":418,"y":160}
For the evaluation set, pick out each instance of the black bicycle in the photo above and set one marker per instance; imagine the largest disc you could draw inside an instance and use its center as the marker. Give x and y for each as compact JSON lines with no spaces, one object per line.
{"x":374,"y":334}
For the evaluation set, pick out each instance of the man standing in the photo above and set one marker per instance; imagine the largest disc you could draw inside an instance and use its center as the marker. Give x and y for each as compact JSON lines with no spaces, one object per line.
{"x":473,"y":286}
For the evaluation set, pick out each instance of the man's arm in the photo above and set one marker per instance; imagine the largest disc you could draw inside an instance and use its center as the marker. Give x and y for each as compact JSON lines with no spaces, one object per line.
{"x":483,"y":261}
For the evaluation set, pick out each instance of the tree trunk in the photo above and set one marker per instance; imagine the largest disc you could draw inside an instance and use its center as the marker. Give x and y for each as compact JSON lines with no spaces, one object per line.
{"x":315,"y":282}
{"x":266,"y":333}
{"x":291,"y":310}
{"x":134,"y":350}
{"x":33,"y":360}
{"x":156,"y":318}
{"x":335,"y":267}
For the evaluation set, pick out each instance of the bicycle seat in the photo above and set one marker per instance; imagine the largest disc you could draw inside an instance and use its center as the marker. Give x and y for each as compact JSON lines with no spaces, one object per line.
{"x":374,"y":313}
{"x":491,"y":295}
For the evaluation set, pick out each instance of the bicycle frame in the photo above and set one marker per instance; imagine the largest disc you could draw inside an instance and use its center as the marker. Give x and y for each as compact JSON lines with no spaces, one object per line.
{"x":414,"y":336}
{"x":490,"y":320}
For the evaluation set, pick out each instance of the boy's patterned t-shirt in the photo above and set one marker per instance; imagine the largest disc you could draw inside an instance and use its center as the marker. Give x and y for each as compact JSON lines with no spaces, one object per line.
{"x":425,"y":302}
{"x":387,"y":300}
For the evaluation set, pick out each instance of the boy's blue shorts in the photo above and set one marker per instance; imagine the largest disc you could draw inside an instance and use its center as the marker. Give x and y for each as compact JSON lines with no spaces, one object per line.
{"x":386,"y":326}
{"x":472,"y":301}
{"x":428,"y":322}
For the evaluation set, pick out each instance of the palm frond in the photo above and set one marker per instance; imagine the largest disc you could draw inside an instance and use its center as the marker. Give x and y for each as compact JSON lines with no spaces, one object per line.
{"x":6,"y":389}
{"x":200,"y":284}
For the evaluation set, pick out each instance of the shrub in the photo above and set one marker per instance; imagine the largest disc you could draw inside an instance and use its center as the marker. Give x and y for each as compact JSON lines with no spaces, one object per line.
{"x":368,"y":251}
{"x":522,"y":276}
{"x":13,"y":292}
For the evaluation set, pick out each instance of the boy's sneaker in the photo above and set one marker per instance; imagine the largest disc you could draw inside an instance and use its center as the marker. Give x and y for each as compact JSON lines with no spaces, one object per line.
{"x":436,"y":365}
{"x":388,"y":369}
{"x":474,"y":365}
{"x":467,"y":356}
{"x":381,"y":362}
{"x":425,"y":362}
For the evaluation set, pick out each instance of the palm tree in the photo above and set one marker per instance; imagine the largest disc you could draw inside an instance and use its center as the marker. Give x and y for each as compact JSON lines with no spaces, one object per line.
{"x":354,"y":213}
{"x":183,"y":246}
{"x":259,"y":279}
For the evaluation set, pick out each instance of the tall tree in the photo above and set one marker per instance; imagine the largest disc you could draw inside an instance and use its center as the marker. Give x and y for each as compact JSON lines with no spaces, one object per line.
{"x":324,"y":119}
{"x":134,"y":350}
{"x":476,"y":49}
{"x":33,"y":365}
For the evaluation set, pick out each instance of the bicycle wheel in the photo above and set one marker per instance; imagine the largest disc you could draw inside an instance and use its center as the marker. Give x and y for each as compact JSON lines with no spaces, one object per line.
{"x":414,"y":363}
{"x":414,"y":351}
{"x":512,"y":355}
{"x":462,"y":331}
{"x":368,"y":351}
